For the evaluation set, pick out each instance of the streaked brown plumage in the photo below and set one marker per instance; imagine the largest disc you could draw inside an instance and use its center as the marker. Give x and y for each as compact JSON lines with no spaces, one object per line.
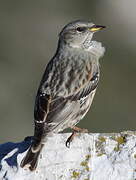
{"x":68,"y":85}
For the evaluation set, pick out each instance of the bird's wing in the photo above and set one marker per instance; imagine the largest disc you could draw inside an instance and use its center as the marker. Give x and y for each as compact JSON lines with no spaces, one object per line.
{"x":80,"y":83}
{"x":68,"y":108}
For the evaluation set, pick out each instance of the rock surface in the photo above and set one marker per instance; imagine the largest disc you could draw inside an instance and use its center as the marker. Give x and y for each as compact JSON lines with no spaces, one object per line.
{"x":90,"y":157}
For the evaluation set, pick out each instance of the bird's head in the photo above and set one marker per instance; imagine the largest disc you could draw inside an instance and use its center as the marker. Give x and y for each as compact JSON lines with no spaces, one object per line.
{"x":78,"y":32}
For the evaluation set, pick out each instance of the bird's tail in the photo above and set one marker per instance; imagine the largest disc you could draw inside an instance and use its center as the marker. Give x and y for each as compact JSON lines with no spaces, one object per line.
{"x":31,"y":159}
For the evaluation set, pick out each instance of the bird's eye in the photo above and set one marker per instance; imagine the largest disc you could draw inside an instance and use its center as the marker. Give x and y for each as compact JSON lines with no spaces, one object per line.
{"x":81,"y":29}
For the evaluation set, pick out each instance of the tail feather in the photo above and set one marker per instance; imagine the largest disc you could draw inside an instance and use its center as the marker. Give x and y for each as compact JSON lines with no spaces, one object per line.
{"x":31,"y":159}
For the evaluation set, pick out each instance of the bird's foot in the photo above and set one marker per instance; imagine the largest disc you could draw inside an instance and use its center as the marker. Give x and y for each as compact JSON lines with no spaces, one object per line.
{"x":76,"y":131}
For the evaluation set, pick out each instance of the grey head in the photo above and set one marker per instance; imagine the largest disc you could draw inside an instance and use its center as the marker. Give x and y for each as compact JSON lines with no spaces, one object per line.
{"x":78,"y":32}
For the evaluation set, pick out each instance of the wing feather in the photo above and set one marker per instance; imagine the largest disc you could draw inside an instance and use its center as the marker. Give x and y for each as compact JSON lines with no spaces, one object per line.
{"x":62,"y":108}
{"x":61,"y":89}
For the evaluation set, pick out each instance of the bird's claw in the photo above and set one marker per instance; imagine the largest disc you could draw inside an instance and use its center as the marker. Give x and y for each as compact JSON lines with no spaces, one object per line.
{"x":69,"y":140}
{"x":67,"y":144}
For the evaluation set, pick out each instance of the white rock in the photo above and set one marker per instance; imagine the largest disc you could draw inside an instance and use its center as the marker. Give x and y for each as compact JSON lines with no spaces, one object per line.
{"x":90,"y":157}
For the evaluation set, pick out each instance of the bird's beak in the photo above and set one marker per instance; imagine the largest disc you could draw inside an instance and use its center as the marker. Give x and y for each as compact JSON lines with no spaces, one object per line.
{"x":96,"y":28}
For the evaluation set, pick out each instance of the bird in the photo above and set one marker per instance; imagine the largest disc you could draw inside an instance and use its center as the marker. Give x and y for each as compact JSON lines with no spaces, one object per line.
{"x":68,"y":86}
